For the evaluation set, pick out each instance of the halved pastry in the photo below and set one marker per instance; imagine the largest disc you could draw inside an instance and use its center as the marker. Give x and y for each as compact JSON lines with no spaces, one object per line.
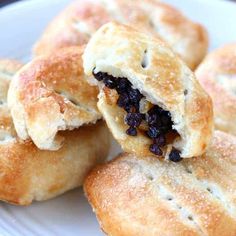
{"x":27,"y":173}
{"x":80,"y":20}
{"x":145,"y":196}
{"x":217,"y":75}
{"x":150,"y":99}
{"x":50,"y":94}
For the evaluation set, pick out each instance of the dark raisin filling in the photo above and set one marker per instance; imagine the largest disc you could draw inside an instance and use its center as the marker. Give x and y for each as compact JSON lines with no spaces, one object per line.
{"x":175,"y":155}
{"x":131,"y":131}
{"x":158,"y":121}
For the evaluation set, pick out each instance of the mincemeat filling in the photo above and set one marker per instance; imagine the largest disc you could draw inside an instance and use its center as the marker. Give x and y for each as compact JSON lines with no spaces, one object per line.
{"x":155,"y":122}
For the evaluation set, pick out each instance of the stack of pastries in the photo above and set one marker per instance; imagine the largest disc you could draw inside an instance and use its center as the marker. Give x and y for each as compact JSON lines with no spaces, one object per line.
{"x":127,"y":67}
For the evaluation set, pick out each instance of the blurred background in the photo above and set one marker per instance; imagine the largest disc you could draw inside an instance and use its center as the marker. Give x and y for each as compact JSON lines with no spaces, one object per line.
{"x":5,"y":2}
{"x":29,"y":14}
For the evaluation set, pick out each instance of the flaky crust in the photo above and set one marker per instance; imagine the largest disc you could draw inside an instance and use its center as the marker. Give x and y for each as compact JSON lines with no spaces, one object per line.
{"x":146,"y":196}
{"x":27,"y":173}
{"x":50,"y":94}
{"x":217,"y":74}
{"x":7,"y":69}
{"x":76,"y":24}
{"x":166,"y":81}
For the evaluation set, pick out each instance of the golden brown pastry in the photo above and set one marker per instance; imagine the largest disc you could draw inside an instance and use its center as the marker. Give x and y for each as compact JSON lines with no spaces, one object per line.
{"x":217,"y":74}
{"x":151,"y":197}
{"x":7,"y":69}
{"x":150,"y":99}
{"x":50,"y":94}
{"x":27,"y":173}
{"x":76,"y":24}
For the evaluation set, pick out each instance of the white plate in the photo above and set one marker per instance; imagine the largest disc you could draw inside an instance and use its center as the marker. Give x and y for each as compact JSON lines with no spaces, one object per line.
{"x":21,"y":24}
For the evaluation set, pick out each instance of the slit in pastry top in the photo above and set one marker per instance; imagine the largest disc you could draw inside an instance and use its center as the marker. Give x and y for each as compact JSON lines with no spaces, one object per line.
{"x":150,"y":99}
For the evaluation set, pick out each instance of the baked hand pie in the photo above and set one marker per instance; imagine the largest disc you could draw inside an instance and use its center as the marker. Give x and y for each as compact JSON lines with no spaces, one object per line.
{"x":145,"y":196}
{"x":150,"y":99}
{"x":50,"y":94}
{"x":217,"y":75}
{"x":77,"y":23}
{"x":27,"y":173}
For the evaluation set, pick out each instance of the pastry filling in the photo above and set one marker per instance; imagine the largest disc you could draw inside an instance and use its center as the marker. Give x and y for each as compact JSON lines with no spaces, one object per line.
{"x":141,"y":115}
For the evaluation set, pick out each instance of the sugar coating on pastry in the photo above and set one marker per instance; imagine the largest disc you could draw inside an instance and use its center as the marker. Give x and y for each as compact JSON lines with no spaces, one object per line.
{"x":8,"y":68}
{"x":27,"y":173}
{"x":150,"y":197}
{"x":77,"y":23}
{"x":151,"y":101}
{"x":217,"y":75}
{"x":50,"y":94}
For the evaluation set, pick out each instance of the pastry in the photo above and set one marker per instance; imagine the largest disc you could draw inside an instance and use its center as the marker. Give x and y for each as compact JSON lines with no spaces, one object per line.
{"x":217,"y":75}
{"x":50,"y":94}
{"x":150,"y":99}
{"x":76,"y":24}
{"x":151,"y":197}
{"x":7,"y":69}
{"x":27,"y":173}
